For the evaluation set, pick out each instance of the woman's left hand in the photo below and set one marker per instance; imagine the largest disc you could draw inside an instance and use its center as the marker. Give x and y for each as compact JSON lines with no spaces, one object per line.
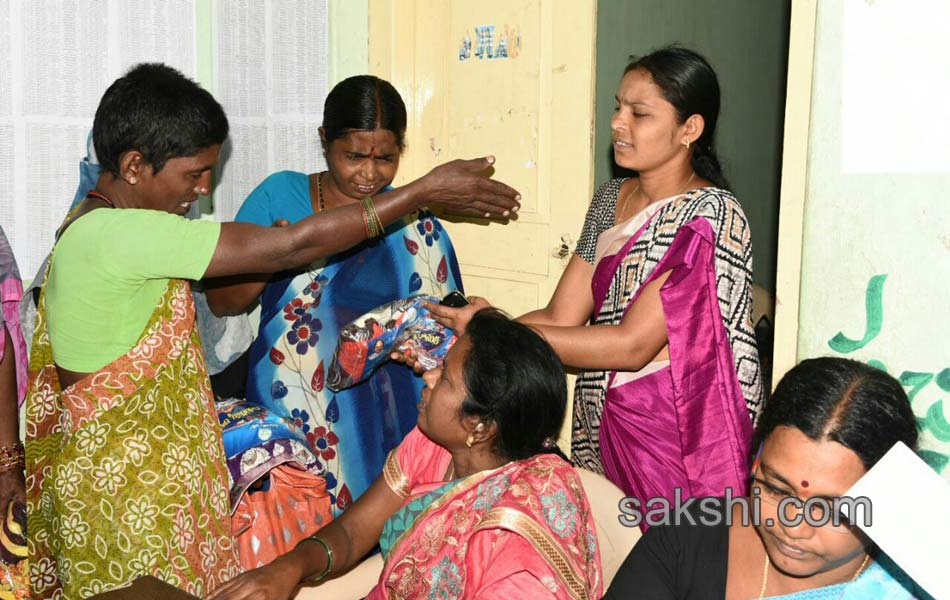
{"x":276,"y":581}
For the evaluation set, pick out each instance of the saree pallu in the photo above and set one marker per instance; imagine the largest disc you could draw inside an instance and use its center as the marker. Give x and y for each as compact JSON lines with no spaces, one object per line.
{"x":427,"y":542}
{"x":684,"y":426}
{"x":125,"y":468}
{"x":349,"y":432}
{"x":720,"y":290}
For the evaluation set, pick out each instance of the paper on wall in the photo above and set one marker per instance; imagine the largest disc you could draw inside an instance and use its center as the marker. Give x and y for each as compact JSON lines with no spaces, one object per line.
{"x":910,"y":514}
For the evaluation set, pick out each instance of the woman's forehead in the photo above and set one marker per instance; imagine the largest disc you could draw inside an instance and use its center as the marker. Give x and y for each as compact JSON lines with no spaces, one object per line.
{"x":815,"y":467}
{"x":379,"y":141}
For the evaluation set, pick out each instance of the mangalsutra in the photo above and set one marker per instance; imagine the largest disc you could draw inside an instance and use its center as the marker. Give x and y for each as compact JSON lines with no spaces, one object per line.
{"x":623,"y":205}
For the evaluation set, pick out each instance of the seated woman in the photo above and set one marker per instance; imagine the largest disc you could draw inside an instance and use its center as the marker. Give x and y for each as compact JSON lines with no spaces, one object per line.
{"x":476,"y":502}
{"x":125,"y":466}
{"x":343,"y":436}
{"x":829,"y":421}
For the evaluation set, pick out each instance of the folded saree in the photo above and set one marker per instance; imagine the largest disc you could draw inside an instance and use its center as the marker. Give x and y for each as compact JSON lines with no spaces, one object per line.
{"x":524,"y":530}
{"x":125,"y":468}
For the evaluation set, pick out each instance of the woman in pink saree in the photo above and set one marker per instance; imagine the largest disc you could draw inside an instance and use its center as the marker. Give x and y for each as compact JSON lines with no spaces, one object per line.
{"x":655,"y":307}
{"x":476,"y":502}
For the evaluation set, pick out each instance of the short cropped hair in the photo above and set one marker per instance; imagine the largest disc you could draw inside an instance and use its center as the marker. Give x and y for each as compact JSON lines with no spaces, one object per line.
{"x":159,"y":112}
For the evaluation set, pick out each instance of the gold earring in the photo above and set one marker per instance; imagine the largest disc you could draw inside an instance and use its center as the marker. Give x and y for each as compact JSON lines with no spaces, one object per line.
{"x":470,"y":440}
{"x":133,"y":180}
{"x":686,"y":143}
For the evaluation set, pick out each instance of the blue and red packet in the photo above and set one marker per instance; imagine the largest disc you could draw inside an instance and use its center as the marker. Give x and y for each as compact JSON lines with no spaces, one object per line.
{"x":366,"y":343}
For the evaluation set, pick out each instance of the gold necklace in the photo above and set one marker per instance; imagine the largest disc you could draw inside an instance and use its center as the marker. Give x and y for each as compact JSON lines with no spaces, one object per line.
{"x":624,"y":205}
{"x":637,"y":189}
{"x":765,"y":573}
{"x":320,"y":191}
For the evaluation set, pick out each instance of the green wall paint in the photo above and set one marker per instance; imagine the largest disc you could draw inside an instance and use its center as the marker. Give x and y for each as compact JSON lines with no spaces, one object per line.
{"x":746,"y":41}
{"x":349,"y":39}
{"x":204,"y":43}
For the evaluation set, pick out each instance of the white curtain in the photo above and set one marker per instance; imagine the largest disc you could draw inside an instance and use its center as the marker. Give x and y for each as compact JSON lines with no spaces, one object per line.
{"x":57,"y":57}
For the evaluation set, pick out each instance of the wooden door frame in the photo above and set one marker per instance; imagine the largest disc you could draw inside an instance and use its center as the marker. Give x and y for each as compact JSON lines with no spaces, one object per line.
{"x":801,"y":55}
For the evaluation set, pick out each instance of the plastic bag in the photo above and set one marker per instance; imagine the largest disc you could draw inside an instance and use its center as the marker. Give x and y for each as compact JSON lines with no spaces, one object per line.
{"x":366,"y":343}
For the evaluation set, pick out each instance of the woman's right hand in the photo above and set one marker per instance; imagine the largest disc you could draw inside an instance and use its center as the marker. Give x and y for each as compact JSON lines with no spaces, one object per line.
{"x":455,"y":319}
{"x":275,"y":581}
{"x":462,"y":187}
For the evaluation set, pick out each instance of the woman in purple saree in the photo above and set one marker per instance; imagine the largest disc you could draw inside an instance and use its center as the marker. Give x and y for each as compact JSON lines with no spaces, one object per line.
{"x":655,"y":307}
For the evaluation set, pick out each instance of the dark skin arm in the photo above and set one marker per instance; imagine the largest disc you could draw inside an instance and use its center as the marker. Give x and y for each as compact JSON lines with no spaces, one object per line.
{"x":12,"y":484}
{"x":351,"y":537}
{"x":458,"y":186}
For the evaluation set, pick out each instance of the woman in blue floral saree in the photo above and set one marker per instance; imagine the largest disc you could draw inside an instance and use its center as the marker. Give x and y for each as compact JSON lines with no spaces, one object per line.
{"x":289,"y":416}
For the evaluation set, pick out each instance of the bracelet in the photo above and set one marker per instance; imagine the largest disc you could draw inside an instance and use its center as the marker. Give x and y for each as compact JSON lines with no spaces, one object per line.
{"x":368,"y":215}
{"x":365,"y":217}
{"x":379,"y":222}
{"x":326,"y":571}
{"x":370,"y":210}
{"x":12,"y":457}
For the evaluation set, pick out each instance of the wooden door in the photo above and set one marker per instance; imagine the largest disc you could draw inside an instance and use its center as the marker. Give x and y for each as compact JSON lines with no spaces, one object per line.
{"x":511,"y":78}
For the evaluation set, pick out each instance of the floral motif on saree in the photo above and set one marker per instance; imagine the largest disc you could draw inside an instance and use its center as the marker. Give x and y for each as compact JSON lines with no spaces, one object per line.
{"x":348,"y":432}
{"x":540,"y":499}
{"x":125,"y":469}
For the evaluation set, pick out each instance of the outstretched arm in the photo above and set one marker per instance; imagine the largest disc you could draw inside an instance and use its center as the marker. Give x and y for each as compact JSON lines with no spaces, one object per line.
{"x":572,"y":302}
{"x":629,"y":346}
{"x":459,"y":187}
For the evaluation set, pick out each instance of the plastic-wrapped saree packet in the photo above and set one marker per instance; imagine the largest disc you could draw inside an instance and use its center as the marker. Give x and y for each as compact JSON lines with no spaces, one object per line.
{"x":401,"y":325}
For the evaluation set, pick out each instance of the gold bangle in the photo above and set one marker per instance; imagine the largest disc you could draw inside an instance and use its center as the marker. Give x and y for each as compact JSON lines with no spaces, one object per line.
{"x":12,"y":457}
{"x":326,"y":571}
{"x":379,"y":222}
{"x":376,"y":226}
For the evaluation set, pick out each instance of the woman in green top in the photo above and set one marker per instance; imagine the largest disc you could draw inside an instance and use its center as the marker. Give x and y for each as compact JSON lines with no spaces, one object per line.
{"x":126,"y":473}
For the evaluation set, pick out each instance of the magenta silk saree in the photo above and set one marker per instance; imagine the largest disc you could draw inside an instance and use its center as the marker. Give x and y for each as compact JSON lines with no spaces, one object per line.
{"x":686,"y":425}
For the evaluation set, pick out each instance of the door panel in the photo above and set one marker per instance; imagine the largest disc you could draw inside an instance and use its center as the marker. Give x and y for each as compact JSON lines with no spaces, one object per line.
{"x":530,"y":105}
{"x":531,"y":109}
